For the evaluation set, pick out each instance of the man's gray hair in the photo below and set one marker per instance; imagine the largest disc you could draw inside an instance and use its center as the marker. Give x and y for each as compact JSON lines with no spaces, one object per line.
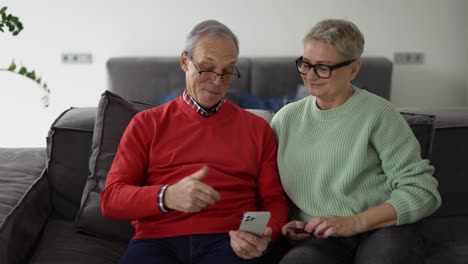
{"x":341,"y":34}
{"x":208,"y":27}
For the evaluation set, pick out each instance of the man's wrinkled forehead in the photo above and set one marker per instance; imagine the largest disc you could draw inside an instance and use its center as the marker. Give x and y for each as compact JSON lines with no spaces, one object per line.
{"x":214,"y":47}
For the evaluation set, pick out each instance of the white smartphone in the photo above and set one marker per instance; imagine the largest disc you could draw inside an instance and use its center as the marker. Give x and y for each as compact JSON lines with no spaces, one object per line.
{"x":255,"y":222}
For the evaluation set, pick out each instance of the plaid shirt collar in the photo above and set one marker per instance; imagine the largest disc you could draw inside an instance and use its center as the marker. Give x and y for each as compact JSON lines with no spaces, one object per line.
{"x":202,"y":111}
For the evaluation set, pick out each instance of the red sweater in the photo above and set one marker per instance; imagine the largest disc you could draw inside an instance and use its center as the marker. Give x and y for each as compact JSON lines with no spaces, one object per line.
{"x":164,"y":144}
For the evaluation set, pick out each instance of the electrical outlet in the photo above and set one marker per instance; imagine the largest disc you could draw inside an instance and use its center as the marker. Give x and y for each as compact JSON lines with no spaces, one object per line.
{"x":408,"y":58}
{"x":77,"y":58}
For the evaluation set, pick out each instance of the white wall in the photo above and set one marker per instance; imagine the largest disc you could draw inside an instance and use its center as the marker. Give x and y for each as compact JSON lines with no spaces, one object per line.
{"x":108,"y":28}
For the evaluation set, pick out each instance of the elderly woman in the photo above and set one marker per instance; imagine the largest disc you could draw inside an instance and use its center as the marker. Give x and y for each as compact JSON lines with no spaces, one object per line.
{"x":349,"y":162}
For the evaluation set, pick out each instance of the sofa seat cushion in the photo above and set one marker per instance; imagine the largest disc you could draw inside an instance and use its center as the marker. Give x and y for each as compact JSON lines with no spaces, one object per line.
{"x":446,"y":239}
{"x":60,"y":244}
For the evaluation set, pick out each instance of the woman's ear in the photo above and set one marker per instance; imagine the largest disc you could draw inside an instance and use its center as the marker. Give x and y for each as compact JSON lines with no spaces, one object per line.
{"x":355,"y":67}
{"x":184,"y":61}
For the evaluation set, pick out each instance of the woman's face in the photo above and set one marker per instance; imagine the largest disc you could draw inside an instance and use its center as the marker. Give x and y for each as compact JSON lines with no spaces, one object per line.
{"x":338,"y":85}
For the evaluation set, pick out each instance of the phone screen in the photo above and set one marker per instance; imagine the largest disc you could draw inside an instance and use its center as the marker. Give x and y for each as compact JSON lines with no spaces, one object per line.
{"x":255,"y":222}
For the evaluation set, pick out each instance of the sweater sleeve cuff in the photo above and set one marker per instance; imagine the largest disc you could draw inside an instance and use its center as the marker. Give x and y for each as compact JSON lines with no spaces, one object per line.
{"x":160,"y":199}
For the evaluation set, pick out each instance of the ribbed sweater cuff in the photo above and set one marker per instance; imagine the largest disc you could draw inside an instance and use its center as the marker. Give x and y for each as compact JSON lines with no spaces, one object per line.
{"x":402,"y":211}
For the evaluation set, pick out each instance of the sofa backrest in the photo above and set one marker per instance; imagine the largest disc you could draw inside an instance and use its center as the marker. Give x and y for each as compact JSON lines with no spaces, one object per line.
{"x":150,"y":79}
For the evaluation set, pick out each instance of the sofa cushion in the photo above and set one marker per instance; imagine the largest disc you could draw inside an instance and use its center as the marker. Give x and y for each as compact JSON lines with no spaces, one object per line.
{"x":265,"y":114}
{"x":60,"y":244}
{"x":153,"y":78}
{"x":68,"y":148}
{"x":446,"y":239}
{"x":113,"y":115}
{"x":249,"y":101}
{"x":423,"y":128}
{"x":449,"y":156}
{"x":24,"y":201}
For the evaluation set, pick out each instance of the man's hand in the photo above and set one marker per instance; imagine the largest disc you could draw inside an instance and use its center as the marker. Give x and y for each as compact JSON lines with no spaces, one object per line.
{"x":290,"y":230}
{"x":247,"y":245}
{"x":343,"y":226}
{"x":190,"y":194}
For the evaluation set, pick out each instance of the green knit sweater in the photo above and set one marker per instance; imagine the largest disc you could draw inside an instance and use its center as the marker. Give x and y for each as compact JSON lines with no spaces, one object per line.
{"x":348,"y":159}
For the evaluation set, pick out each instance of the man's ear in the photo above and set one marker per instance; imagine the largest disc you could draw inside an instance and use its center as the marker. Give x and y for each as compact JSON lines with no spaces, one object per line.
{"x":355,"y":67}
{"x":184,"y":61}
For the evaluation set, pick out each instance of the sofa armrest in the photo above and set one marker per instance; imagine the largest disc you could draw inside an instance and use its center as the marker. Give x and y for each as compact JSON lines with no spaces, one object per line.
{"x":24,"y":201}
{"x":423,"y":129}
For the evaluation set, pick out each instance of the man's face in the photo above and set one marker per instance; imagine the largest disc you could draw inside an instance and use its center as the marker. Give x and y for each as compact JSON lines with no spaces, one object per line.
{"x":211,"y":53}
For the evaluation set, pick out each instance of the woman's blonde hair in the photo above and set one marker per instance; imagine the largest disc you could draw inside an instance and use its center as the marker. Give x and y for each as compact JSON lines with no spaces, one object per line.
{"x":341,"y":34}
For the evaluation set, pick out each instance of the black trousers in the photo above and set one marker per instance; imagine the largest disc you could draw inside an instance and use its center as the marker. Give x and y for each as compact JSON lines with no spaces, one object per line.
{"x":395,"y":245}
{"x":190,"y":249}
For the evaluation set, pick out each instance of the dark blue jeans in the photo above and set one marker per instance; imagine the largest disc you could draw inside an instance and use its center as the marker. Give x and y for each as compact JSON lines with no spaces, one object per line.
{"x":193,"y":249}
{"x":395,"y":245}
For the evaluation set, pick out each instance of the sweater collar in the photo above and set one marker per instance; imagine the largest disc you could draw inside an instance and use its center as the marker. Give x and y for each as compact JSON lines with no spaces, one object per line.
{"x":188,"y":99}
{"x":343,"y":109}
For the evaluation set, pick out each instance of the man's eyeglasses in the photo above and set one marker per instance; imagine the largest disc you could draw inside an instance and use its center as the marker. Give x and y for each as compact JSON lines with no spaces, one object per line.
{"x":211,"y":76}
{"x":321,"y":70}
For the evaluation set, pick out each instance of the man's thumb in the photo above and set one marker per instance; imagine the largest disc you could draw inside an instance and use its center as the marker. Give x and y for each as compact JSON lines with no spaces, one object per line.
{"x":200,"y":174}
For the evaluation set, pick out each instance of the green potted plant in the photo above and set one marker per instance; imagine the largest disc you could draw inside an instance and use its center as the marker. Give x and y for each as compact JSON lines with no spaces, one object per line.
{"x":12,"y":24}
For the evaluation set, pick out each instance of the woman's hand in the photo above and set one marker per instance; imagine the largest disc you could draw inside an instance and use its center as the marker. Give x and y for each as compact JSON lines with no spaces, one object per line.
{"x":373,"y":218}
{"x":343,"y":226}
{"x":291,"y":230}
{"x":247,"y":245}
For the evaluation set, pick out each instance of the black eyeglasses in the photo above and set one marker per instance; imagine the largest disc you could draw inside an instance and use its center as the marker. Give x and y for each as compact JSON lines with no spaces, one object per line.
{"x":321,"y":70}
{"x":210,"y":76}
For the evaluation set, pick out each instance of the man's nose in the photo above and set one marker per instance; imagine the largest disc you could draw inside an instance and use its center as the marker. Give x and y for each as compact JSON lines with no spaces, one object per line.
{"x":217,"y":80}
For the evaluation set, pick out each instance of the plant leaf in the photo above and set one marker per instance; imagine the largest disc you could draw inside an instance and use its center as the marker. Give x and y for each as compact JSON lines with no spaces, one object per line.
{"x":23,"y":70}
{"x":31,"y":75}
{"x":12,"y":66}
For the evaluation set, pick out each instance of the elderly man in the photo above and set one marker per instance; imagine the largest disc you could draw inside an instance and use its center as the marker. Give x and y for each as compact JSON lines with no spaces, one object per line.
{"x":186,"y":171}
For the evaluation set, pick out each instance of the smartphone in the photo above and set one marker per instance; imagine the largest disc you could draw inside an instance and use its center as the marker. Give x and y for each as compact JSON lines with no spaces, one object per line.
{"x":299,"y":230}
{"x":255,"y":222}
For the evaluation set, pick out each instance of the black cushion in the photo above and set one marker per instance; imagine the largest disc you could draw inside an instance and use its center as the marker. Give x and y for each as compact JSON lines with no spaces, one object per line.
{"x":113,"y":115}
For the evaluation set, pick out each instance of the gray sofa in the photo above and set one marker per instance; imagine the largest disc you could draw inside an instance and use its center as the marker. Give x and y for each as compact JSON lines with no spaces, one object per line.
{"x":45,"y":218}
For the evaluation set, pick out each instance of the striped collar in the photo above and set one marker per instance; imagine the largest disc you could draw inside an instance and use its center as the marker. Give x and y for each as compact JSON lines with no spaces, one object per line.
{"x":202,"y":111}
